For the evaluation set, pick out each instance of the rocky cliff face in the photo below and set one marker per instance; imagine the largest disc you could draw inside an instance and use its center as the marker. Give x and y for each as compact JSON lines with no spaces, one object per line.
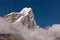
{"x":12,"y":17}
{"x":25,"y":16}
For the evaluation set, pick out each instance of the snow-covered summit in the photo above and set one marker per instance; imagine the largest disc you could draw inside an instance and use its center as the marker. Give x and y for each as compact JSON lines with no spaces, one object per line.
{"x":25,"y":16}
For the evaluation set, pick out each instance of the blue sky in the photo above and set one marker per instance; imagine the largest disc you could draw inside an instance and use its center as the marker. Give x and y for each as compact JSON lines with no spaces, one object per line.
{"x":47,"y":12}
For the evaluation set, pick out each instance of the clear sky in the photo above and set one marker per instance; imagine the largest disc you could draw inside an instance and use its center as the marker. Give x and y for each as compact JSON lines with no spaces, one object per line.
{"x":47,"y":12}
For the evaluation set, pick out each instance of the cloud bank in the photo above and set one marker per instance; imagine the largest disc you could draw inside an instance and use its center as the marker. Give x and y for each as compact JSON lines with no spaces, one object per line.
{"x":52,"y":33}
{"x":54,"y":30}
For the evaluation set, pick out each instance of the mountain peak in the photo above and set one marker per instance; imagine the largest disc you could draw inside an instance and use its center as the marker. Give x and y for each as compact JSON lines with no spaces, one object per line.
{"x":25,"y":16}
{"x":23,"y":25}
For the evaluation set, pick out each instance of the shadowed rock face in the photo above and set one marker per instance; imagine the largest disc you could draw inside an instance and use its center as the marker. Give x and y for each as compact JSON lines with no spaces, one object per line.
{"x":10,"y":37}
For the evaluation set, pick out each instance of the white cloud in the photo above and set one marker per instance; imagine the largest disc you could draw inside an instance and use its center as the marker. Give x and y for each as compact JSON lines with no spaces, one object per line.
{"x":52,"y":33}
{"x":18,"y":28}
{"x":4,"y":26}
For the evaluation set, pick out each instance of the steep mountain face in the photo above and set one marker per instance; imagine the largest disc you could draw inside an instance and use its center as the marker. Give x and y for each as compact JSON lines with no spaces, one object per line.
{"x":24,"y":25}
{"x":26,"y":17}
{"x":12,"y":17}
